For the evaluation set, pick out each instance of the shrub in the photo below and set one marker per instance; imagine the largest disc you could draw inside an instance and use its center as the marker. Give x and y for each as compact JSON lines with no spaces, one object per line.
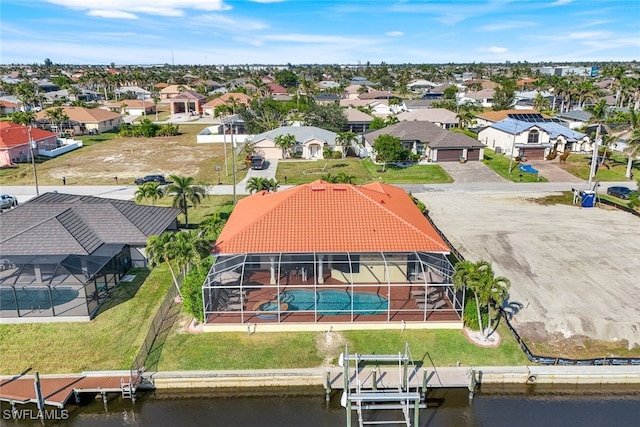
{"x":471,"y":314}
{"x":192,"y":288}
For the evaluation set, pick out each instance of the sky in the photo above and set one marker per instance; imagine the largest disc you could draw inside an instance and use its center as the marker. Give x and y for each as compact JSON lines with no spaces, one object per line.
{"x":213,"y":32}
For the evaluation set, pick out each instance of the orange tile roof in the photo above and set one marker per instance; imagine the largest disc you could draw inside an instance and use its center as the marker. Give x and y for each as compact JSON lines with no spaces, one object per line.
{"x":239,"y":98}
{"x":324,"y":217}
{"x":13,"y":135}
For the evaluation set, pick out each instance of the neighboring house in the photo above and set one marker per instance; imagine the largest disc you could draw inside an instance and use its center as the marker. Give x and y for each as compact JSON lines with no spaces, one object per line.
{"x":172,"y":90}
{"x":440,"y":116}
{"x":357,"y":121}
{"x":310,"y":142}
{"x":326,"y":98}
{"x":15,"y":142}
{"x":61,"y":254}
{"x":575,"y":119}
{"x":420,"y":85}
{"x":188,"y":102}
{"x":138,"y":91}
{"x":430,"y":142}
{"x":323,"y":256}
{"x":275,"y":89}
{"x":533,"y":140}
{"x":230,"y":99}
{"x":7,"y":107}
{"x":416,"y":104}
{"x":378,"y":95}
{"x":489,"y":117}
{"x":133,"y":107}
{"x":90,"y":120}
{"x":482,"y":97}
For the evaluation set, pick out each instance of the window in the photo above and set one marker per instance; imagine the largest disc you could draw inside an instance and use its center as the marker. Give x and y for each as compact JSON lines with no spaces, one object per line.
{"x":534,"y":137}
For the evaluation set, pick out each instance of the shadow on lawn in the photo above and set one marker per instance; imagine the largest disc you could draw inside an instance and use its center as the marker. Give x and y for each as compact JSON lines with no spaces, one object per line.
{"x":124,"y":291}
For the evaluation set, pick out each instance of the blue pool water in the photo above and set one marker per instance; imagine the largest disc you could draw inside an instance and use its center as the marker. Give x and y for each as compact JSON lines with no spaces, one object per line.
{"x":330,"y":302}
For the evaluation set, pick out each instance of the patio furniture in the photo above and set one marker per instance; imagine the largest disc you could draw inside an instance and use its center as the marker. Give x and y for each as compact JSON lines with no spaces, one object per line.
{"x":433,"y":306}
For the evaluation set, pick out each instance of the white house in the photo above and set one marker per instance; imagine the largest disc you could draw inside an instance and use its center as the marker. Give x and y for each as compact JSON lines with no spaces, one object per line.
{"x":532,"y":140}
{"x":310,"y":142}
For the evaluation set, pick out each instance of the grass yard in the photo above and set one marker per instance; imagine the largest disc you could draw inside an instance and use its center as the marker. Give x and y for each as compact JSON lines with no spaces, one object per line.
{"x":363,"y":171}
{"x":566,"y":198}
{"x":613,"y":169}
{"x":110,"y":341}
{"x":108,"y":155}
{"x":499,"y":163}
{"x":210,"y":205}
{"x":213,"y":351}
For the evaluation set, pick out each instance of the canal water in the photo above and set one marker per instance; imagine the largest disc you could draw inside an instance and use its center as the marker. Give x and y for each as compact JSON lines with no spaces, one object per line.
{"x":492,"y":406}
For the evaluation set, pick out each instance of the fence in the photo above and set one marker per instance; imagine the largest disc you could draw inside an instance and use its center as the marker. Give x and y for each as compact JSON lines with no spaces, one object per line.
{"x":543,"y":360}
{"x":158,"y":326}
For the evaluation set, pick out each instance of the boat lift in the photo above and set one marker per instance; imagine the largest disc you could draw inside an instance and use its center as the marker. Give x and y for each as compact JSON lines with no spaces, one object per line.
{"x":363,"y":390}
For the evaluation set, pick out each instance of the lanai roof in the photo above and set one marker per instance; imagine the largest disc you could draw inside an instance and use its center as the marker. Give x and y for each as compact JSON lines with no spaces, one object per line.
{"x":324,"y":217}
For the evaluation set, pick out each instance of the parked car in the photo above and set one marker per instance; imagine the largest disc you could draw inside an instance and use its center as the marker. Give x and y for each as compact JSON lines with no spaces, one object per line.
{"x":620,"y":192}
{"x":152,"y":178}
{"x":257,"y":162}
{"x":7,"y":201}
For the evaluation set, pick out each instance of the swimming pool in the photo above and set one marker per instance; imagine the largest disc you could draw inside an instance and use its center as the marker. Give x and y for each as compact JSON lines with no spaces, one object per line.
{"x":330,"y":302}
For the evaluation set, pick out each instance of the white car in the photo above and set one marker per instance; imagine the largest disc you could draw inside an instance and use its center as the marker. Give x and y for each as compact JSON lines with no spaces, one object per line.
{"x":7,"y":201}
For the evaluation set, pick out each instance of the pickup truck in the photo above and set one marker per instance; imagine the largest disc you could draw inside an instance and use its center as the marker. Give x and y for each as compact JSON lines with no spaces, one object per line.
{"x":7,"y":201}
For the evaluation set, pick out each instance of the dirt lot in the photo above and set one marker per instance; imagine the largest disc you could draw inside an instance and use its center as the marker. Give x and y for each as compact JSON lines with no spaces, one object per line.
{"x":129,"y":158}
{"x":574,"y":272}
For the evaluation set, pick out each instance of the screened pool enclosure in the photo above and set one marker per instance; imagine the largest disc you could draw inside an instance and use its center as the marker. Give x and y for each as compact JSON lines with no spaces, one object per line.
{"x":298,"y":291}
{"x":60,"y":286}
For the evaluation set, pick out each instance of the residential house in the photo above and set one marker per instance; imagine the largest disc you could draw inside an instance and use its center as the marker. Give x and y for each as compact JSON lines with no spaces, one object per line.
{"x":7,"y":107}
{"x":575,"y":119}
{"x":326,"y":98}
{"x":88,"y":120}
{"x":323,"y":256}
{"x":133,"y":107}
{"x":489,"y":117}
{"x":378,"y":95}
{"x":357,"y":121}
{"x":533,"y":140}
{"x":430,"y":142}
{"x":440,"y":116}
{"x":188,"y":102}
{"x":420,"y":85}
{"x":172,"y":91}
{"x":229,"y":99}
{"x":310,"y":142}
{"x":139,"y":92}
{"x":61,"y":255}
{"x":16,"y":142}
{"x":416,"y":104}
{"x":482,"y":97}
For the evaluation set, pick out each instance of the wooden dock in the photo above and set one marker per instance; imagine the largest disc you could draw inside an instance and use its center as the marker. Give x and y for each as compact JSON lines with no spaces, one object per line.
{"x":56,"y":390}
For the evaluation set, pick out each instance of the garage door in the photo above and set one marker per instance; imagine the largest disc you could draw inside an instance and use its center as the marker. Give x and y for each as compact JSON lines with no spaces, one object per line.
{"x":449,"y":155}
{"x":532,"y":153}
{"x":473,"y":154}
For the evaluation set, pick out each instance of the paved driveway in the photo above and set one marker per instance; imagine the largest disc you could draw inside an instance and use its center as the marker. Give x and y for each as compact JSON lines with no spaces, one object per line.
{"x":574,"y":270}
{"x":470,"y":172}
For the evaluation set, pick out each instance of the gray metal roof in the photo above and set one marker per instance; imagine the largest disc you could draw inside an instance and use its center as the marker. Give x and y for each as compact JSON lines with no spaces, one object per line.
{"x":57,"y":223}
{"x":302,"y":134}
{"x":426,"y":132}
{"x":577,"y":115}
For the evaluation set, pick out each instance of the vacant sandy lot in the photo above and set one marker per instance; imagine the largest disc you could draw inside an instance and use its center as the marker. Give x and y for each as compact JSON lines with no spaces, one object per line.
{"x":573,"y":271}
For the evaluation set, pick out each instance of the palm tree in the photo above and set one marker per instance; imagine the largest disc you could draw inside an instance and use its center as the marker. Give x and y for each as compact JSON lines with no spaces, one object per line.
{"x":57,"y":116}
{"x":599,"y":115}
{"x":25,"y":118}
{"x":285,"y":142}
{"x":257,"y":183}
{"x":211,"y":227}
{"x":187,"y":248}
{"x":633,"y":143}
{"x":184,"y":192}
{"x":344,"y":140}
{"x":149,"y":190}
{"x":159,"y":250}
{"x":488,"y":289}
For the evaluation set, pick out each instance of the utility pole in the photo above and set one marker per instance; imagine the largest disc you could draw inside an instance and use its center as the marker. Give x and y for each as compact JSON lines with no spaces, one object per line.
{"x":233,"y":161}
{"x":513,"y":146}
{"x":594,"y":158}
{"x":34,"y":145}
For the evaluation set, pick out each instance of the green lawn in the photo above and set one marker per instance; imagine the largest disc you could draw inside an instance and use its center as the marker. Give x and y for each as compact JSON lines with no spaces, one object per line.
{"x":110,"y":341}
{"x":363,"y":171}
{"x":214,"y":351}
{"x":613,"y":169}
{"x":500,"y":164}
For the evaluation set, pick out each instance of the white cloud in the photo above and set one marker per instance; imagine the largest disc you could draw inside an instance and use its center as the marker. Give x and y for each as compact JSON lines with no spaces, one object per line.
{"x":267,"y":1}
{"x":510,"y":25}
{"x":493,"y":49}
{"x":310,"y":38}
{"x":111,"y":14}
{"x":128,"y":9}
{"x":394,"y":33}
{"x":560,"y":2}
{"x":229,"y":23}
